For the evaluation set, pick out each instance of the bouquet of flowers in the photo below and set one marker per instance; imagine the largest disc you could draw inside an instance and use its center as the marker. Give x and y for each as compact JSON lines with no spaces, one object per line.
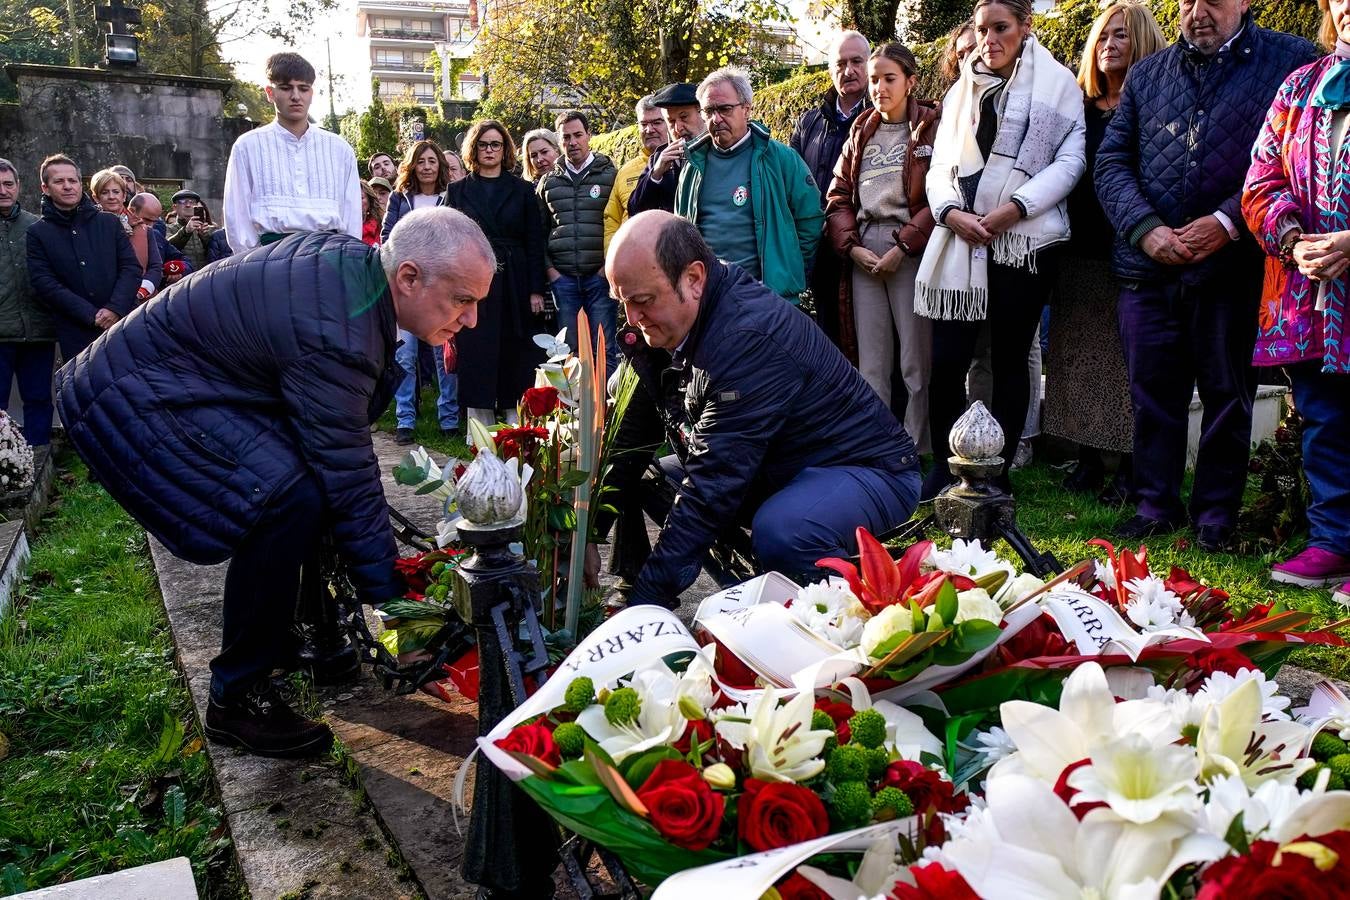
{"x":915,"y":622}
{"x":669,"y":773}
{"x":16,"y":457}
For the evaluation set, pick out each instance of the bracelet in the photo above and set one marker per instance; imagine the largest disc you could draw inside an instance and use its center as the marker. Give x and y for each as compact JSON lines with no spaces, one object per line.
{"x":1286,"y":254}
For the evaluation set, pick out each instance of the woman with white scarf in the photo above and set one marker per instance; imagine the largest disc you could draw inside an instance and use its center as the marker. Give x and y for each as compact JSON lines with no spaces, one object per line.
{"x":1008,"y":151}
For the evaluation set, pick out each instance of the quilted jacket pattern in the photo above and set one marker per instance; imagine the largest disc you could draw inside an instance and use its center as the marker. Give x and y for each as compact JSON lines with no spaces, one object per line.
{"x":212,"y":399}
{"x":1181,"y":140}
{"x":573,"y":208}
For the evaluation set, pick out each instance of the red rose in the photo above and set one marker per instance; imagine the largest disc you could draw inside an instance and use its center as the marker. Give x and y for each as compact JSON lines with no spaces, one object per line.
{"x":533,"y":740}
{"x":1209,"y":660}
{"x":796,"y":887}
{"x":683,"y":807}
{"x":540,"y":401}
{"x":926,"y":787}
{"x":1258,"y":876}
{"x":1041,"y":638}
{"x":775,"y":814}
{"x":933,"y":882}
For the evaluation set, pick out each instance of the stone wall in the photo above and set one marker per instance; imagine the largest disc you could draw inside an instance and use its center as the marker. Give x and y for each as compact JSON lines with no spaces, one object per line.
{"x":169,"y":129}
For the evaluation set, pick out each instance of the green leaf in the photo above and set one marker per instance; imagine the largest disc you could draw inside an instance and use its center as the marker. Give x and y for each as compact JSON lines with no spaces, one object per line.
{"x":562,"y":518}
{"x":889,"y":644}
{"x":12,"y":880}
{"x":946,"y":605}
{"x":429,"y":487}
{"x":1236,"y":835}
{"x":175,"y":807}
{"x":170,"y":739}
{"x":573,"y":478}
{"x":637,"y":769}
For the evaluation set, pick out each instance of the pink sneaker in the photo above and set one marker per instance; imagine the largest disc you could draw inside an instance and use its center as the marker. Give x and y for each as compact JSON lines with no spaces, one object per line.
{"x":1313,"y":567}
{"x":1342,"y":596}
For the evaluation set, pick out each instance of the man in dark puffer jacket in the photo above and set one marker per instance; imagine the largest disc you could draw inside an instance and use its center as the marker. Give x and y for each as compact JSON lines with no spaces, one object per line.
{"x":772,"y":426}
{"x":572,"y":201}
{"x":231,"y":416}
{"x":1169,"y":175}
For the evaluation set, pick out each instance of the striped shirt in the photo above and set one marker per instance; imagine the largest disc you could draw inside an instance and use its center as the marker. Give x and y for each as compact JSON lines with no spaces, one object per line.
{"x":280,"y":183}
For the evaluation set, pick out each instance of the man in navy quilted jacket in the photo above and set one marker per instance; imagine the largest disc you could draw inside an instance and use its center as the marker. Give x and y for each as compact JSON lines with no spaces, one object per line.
{"x":1169,"y":175}
{"x":231,"y":416}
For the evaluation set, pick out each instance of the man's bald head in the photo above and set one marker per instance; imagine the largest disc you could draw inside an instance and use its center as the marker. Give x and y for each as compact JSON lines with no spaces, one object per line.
{"x":658,"y":265}
{"x":146,"y":207}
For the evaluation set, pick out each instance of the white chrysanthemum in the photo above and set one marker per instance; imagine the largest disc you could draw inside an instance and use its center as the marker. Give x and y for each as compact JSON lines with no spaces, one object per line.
{"x":994,"y":745}
{"x":968,"y":558}
{"x":1105,"y":574}
{"x":829,"y":609}
{"x":1220,"y":684}
{"x":1152,"y":606}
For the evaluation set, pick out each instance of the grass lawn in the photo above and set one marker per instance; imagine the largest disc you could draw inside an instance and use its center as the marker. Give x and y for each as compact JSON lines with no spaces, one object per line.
{"x":105,"y":767}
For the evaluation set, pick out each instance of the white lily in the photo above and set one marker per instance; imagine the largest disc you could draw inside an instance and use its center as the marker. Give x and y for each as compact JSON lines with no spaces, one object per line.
{"x":1027,"y":845}
{"x":1048,"y":740}
{"x":1233,"y":740}
{"x":1139,"y":780}
{"x":778,"y":741}
{"x":660,"y":719}
{"x":554,"y":345}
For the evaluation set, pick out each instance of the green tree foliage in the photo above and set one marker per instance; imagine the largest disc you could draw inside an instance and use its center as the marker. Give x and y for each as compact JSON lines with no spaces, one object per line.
{"x":930,"y":20}
{"x":875,"y":19}
{"x":602,"y":55}
{"x":376,"y":131}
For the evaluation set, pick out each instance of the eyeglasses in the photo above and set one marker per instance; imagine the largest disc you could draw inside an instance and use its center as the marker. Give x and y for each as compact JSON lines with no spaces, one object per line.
{"x":490,"y":145}
{"x":724,"y":110}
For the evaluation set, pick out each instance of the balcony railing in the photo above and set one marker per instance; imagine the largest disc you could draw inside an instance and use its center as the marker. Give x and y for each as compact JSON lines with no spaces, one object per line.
{"x":400,"y":67}
{"x":407,"y":35}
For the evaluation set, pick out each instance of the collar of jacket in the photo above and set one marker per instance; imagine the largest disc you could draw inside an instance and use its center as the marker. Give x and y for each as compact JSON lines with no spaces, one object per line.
{"x":1242,"y":49}
{"x":712,"y":292}
{"x":829,"y":107}
{"x":759,"y":136}
{"x":83,"y":210}
{"x":13,"y":213}
{"x":598,"y":164}
{"x":918,"y":113}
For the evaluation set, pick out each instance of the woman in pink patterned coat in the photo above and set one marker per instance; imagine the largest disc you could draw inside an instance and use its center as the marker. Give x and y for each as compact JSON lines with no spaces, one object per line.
{"x":1297,"y":202}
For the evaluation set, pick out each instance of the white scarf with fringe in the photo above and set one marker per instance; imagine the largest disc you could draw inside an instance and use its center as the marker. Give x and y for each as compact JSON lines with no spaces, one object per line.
{"x":1037,"y":110}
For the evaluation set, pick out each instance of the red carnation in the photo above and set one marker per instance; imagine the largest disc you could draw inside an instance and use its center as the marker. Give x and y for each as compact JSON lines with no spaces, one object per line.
{"x":540,"y":401}
{"x":933,"y":882}
{"x":684,"y":809}
{"x":925,"y":787}
{"x":796,"y":887}
{"x":533,"y":740}
{"x":1209,"y":660}
{"x":776,"y":814}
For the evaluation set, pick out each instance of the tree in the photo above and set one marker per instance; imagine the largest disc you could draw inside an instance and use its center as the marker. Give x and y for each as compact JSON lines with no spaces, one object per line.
{"x":602,"y":55}
{"x":874,"y":18}
{"x":376,"y":131}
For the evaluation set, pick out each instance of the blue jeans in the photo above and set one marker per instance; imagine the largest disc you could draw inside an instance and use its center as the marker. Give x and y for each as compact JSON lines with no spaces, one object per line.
{"x":32,"y":363}
{"x":818,"y":513}
{"x":447,"y":406}
{"x":1323,"y":400}
{"x":591,"y":293}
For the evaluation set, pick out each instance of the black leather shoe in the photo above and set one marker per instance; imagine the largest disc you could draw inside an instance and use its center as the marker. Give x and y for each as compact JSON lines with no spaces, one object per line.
{"x":1214,"y":538}
{"x":1087,"y":476}
{"x":1136,"y":527}
{"x":403,"y":436}
{"x":259,"y":721}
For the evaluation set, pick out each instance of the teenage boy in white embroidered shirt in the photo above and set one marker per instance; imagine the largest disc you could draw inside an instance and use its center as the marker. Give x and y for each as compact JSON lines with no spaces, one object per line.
{"x":288,"y":176}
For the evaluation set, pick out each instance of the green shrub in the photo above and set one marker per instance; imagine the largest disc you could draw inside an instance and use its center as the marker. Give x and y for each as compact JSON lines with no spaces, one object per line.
{"x":780,"y":105}
{"x":620,"y":146}
{"x":931,"y":20}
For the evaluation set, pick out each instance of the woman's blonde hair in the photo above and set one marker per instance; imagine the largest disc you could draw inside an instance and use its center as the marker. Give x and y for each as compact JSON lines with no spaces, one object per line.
{"x":100,"y":180}
{"x":1145,"y":38}
{"x":538,"y":134}
{"x":1326,"y":35}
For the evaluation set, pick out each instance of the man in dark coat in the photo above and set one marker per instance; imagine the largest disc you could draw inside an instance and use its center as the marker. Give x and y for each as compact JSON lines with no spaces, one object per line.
{"x":655,"y":188}
{"x":80,"y":262}
{"x":819,"y":139}
{"x":1169,"y":175}
{"x":771,"y":425}
{"x":27,"y":337}
{"x":231,"y":416}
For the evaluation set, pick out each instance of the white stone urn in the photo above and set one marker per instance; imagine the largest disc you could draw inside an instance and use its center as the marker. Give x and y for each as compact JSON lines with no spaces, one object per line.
{"x":976,"y":436}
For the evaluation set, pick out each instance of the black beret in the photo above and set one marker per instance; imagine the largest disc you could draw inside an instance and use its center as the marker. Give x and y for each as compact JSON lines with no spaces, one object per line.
{"x":681,"y":93}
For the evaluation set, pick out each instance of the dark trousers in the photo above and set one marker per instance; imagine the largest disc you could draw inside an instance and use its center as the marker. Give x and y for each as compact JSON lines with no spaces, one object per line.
{"x":1323,"y":399}
{"x":261,"y":587}
{"x":827,"y":276}
{"x":1176,"y":338}
{"x":32,"y":363}
{"x":1016,"y":298}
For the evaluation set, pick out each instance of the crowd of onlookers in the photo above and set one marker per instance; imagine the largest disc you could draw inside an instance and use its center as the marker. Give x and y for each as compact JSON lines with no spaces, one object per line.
{"x":1180,"y":210}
